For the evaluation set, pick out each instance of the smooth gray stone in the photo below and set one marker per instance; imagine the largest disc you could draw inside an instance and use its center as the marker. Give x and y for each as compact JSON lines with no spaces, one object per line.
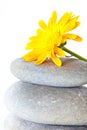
{"x":48,"y":105}
{"x":15,"y":123}
{"x":73,"y":72}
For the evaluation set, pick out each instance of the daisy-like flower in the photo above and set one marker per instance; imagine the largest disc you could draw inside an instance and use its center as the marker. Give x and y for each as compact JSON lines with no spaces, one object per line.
{"x":49,"y":38}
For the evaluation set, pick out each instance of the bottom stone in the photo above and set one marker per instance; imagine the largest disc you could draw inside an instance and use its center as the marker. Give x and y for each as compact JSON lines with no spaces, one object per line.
{"x":48,"y":105}
{"x":15,"y":123}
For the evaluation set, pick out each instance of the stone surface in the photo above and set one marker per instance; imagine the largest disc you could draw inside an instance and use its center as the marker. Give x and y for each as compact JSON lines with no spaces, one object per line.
{"x":72,"y":73}
{"x":50,"y":105}
{"x":15,"y":123}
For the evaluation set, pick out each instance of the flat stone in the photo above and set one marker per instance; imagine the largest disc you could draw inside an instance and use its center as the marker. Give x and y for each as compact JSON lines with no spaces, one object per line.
{"x":72,"y":73}
{"x":48,"y":105}
{"x":16,"y":123}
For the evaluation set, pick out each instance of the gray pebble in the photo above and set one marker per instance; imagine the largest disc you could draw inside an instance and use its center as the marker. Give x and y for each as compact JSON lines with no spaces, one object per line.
{"x":48,"y":105}
{"x":73,"y":72}
{"x":15,"y":123}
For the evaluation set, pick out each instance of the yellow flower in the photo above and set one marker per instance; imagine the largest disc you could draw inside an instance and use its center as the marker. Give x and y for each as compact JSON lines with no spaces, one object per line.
{"x":46,"y":43}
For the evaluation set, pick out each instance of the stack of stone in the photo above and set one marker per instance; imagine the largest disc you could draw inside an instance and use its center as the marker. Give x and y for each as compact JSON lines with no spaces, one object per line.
{"x":48,"y":97}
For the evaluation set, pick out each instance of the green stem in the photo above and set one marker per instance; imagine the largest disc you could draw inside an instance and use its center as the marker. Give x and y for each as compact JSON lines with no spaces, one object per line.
{"x":74,"y":54}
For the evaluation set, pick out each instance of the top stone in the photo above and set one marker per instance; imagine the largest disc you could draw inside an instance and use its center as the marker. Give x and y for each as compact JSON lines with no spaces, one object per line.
{"x":73,"y":72}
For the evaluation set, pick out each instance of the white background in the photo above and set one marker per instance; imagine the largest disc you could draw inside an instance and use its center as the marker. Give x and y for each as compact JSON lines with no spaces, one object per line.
{"x":18,"y":21}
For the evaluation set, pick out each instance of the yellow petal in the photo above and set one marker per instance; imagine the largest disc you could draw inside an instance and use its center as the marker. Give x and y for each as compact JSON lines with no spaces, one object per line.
{"x":40,"y":59}
{"x":53,"y":19}
{"x":31,"y":56}
{"x":59,"y":51}
{"x":27,"y":46}
{"x":42,"y":24}
{"x":65,"y":18}
{"x":78,"y":38}
{"x":33,"y":38}
{"x":59,"y":40}
{"x":28,"y":57}
{"x":30,"y":45}
{"x":64,"y":39}
{"x":71,"y":24}
{"x":39,"y":32}
{"x":56,"y":60}
{"x":76,"y":24}
{"x":73,"y":37}
{"x":49,"y":22}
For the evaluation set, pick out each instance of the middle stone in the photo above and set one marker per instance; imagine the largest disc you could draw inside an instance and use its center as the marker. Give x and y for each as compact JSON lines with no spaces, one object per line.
{"x":49,"y":105}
